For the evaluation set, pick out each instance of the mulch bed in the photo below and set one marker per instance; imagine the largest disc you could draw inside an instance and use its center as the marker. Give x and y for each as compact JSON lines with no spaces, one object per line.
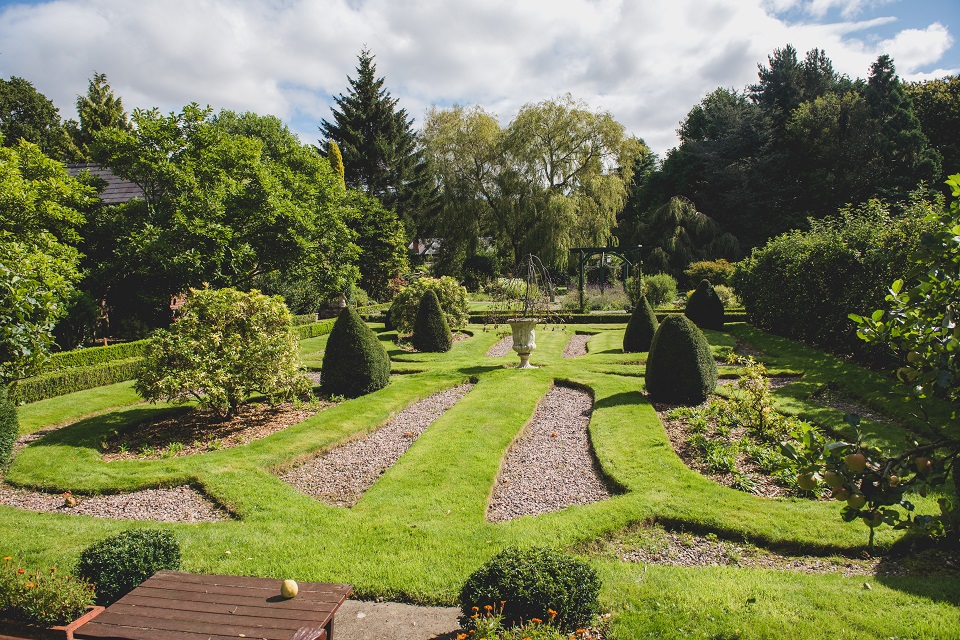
{"x":200,"y":431}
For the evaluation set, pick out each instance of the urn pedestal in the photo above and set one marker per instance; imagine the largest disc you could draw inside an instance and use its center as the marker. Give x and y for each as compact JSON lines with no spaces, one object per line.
{"x":523,"y":339}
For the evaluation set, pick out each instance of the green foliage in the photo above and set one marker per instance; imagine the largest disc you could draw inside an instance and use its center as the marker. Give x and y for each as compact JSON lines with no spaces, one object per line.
{"x":705,"y":308}
{"x":727,"y":296}
{"x":680,"y":367}
{"x":38,"y":262}
{"x":480,"y":270}
{"x":660,"y":289}
{"x":27,"y":114}
{"x":9,"y":427}
{"x":97,"y":110}
{"x":640,"y":328}
{"x":530,"y":583}
{"x":233,"y":200}
{"x":555,"y":178}
{"x":382,"y":242}
{"x":716,"y":272}
{"x":489,"y":623}
{"x":355,"y":363}
{"x":802,"y":285}
{"x":225,"y":346}
{"x":430,"y":330}
{"x":42,"y":597}
{"x":64,"y":381}
{"x":937,"y":106}
{"x":452,"y":297}
{"x":118,"y":564}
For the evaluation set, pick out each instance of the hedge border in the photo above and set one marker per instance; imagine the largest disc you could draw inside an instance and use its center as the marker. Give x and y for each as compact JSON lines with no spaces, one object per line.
{"x":603,"y":318}
{"x":91,"y":356}
{"x":58,"y":383}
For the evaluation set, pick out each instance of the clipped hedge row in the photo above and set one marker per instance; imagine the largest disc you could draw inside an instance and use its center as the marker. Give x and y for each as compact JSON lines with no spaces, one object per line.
{"x":303,"y":318}
{"x":58,"y":383}
{"x":96,"y":355}
{"x":605,"y":318}
{"x":314,"y":329}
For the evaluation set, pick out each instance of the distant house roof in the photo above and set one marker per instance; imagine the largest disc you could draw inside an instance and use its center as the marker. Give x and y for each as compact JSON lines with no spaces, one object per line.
{"x":117,"y":190}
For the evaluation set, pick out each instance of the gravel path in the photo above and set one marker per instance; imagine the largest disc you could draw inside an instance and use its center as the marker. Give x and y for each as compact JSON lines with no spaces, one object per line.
{"x":178,"y":504}
{"x":576,"y":346}
{"x":502,"y":348}
{"x":551,"y":466}
{"x":341,"y":476}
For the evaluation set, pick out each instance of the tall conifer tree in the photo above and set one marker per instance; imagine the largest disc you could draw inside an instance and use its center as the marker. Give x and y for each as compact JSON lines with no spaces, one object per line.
{"x":98,"y":109}
{"x":381,"y":155}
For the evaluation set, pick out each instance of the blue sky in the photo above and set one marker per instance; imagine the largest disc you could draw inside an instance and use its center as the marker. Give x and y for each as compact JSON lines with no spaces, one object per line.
{"x":645,"y":62}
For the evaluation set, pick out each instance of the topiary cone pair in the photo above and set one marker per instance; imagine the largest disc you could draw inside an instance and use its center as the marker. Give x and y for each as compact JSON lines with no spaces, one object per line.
{"x":641,"y":328}
{"x":680,"y":367}
{"x":431,"y":332}
{"x":355,"y":363}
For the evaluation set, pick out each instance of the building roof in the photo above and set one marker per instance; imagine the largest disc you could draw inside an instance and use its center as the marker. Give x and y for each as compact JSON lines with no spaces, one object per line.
{"x":117,"y":190}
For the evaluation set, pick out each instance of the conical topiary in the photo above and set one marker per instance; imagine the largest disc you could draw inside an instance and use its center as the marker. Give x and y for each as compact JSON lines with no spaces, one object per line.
{"x":430,"y":330}
{"x":680,"y":367}
{"x":641,"y":327}
{"x":705,"y":308}
{"x":355,"y":362}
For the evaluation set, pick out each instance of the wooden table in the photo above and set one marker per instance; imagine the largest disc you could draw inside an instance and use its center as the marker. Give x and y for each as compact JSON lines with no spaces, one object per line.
{"x":172,"y":605}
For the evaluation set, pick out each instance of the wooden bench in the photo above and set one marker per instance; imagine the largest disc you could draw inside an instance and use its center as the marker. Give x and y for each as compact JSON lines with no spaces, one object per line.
{"x":172,"y":605}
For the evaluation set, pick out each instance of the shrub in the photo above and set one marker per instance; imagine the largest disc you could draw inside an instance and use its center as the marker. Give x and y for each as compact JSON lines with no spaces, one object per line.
{"x":480,"y":269}
{"x":9,"y":427}
{"x":727,"y":296}
{"x":117,"y":564}
{"x":225,"y":346}
{"x":704,"y":307}
{"x":430,"y":331}
{"x":660,"y":289}
{"x":714,"y":271}
{"x":680,"y":368}
{"x":640,"y":329}
{"x":44,"y":597}
{"x":803,"y":285}
{"x":314,"y":329}
{"x":452,"y":297}
{"x":532,"y":583}
{"x":355,"y":363}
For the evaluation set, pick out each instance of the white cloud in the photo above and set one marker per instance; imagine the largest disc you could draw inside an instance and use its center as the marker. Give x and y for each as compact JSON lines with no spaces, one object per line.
{"x":848,"y":8}
{"x":647,"y":63}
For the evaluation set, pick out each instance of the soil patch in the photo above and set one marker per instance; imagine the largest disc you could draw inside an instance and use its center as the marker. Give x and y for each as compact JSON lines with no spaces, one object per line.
{"x":200,"y":431}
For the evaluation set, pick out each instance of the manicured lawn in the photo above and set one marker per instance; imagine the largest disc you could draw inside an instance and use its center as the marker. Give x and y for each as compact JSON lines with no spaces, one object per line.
{"x":420,"y":530}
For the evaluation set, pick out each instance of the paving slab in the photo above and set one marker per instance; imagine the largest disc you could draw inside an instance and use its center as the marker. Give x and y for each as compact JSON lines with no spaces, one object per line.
{"x":369,"y":620}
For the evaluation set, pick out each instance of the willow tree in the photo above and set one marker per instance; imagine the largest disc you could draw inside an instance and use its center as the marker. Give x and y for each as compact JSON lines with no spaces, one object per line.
{"x":556,"y":177}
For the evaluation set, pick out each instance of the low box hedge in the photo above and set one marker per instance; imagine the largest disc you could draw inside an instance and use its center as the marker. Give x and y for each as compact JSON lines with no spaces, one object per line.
{"x":96,"y":355}
{"x":314,"y":329}
{"x":598,"y":318}
{"x":58,"y":383}
{"x":302,"y":319}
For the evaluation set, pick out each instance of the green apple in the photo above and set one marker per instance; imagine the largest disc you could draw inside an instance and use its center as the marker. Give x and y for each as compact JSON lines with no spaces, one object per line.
{"x":841,"y":493}
{"x":856,"y":501}
{"x":833,"y":479}
{"x":857,"y":462}
{"x":806,"y":481}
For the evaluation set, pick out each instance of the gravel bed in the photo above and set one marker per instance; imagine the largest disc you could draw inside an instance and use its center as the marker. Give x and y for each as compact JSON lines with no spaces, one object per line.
{"x":177,"y":504}
{"x":502,"y":348}
{"x":551,"y":466}
{"x":341,"y":476}
{"x":576,"y":345}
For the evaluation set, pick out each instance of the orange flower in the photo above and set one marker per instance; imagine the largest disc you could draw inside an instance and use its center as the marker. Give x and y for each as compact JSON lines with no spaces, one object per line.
{"x":21,"y":571}
{"x":7,"y":558}
{"x":552,"y":613}
{"x":536,"y":620}
{"x":52,"y":569}
{"x":476,"y":608}
{"x":461,"y":636}
{"x":29,"y":585}
{"x":488,"y":607}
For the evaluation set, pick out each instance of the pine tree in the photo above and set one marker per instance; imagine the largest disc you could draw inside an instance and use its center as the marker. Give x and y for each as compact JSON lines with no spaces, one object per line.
{"x":381,"y":155}
{"x":98,"y":109}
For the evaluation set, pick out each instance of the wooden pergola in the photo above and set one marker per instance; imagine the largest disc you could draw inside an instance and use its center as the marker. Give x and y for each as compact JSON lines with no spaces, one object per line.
{"x":586,"y":253}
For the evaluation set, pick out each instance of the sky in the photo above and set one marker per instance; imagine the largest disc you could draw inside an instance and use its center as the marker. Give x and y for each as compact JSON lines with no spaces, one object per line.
{"x":647,"y":62}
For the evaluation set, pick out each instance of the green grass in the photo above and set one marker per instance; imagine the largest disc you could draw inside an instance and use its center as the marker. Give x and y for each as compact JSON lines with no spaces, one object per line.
{"x":72,"y":407}
{"x":420,"y":530}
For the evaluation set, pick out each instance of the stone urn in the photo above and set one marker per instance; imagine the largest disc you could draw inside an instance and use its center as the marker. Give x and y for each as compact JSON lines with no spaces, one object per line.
{"x":523,"y":339}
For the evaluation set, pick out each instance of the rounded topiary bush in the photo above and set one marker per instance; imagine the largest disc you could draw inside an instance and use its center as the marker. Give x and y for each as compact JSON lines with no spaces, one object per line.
{"x":705,"y":308}
{"x":531,"y":582}
{"x":680,"y":367}
{"x":117,"y":564}
{"x":9,"y":426}
{"x":430,"y":330}
{"x":354,"y":363}
{"x":641,"y":327}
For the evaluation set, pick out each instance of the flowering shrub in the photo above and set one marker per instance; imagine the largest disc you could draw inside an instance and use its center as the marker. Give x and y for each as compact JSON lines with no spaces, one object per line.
{"x":452,"y":297}
{"x":42,"y":597}
{"x":489,"y":625}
